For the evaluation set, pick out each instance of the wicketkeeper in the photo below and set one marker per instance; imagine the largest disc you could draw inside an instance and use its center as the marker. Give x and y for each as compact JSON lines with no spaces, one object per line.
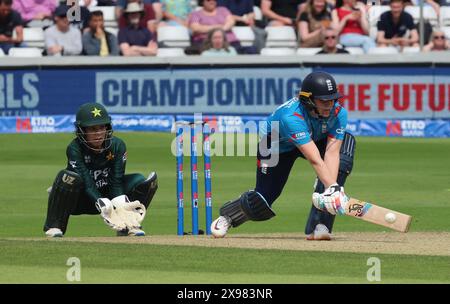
{"x":311,"y":126}
{"x":95,"y":182}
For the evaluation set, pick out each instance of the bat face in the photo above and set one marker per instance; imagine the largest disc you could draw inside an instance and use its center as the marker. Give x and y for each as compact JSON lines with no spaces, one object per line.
{"x":378,"y":215}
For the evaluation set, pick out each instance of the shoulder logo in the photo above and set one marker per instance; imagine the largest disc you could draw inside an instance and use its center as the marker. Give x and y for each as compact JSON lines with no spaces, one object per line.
{"x":73,"y":163}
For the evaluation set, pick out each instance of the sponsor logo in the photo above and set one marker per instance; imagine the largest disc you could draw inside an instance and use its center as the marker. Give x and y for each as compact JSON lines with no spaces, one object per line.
{"x":358,"y":209}
{"x":68,"y":179}
{"x":299,"y":135}
{"x":407,"y":128}
{"x":125,"y":156}
{"x":340,"y":131}
{"x":329,"y":85}
{"x":23,"y":125}
{"x":87,"y":159}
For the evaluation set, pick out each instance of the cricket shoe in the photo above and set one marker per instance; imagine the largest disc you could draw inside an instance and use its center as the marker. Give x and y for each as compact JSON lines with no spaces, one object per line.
{"x":320,"y":233}
{"x":220,"y":226}
{"x":54,"y":232}
{"x":131,"y":232}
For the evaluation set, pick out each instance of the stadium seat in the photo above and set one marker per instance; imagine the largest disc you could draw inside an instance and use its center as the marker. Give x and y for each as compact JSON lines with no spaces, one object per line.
{"x":375,"y":12}
{"x":244,"y":34}
{"x":170,"y":52}
{"x":446,"y":30}
{"x":34,"y":37}
{"x":308,"y":51}
{"x":25,"y":52}
{"x":174,"y":36}
{"x":445,"y":16}
{"x":411,"y":49}
{"x":373,"y":31}
{"x":281,"y":36}
{"x":273,"y":51}
{"x":109,"y":16}
{"x":383,"y":51}
{"x":428,"y":14}
{"x":355,"y":50}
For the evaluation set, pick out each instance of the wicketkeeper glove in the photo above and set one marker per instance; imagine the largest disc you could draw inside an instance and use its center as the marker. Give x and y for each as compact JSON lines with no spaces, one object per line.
{"x":333,"y":199}
{"x":119,"y":213}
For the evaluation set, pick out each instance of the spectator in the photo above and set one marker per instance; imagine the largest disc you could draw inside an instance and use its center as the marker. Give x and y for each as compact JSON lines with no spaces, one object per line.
{"x":135,"y":39}
{"x":350,"y":21}
{"x":437,"y":42}
{"x":281,"y":12}
{"x":176,"y":12}
{"x":210,"y":17}
{"x":242,"y":11}
{"x":97,"y":41}
{"x":35,"y":13}
{"x":330,"y":43}
{"x":394,"y":27}
{"x":313,"y":20}
{"x":61,"y":38}
{"x":149,"y":17}
{"x":216,"y":44}
{"x":10,"y":22}
{"x":80,"y":21}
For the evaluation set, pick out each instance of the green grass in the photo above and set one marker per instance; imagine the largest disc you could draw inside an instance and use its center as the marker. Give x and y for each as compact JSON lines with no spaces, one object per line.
{"x":408,"y":175}
{"x":178,"y":264}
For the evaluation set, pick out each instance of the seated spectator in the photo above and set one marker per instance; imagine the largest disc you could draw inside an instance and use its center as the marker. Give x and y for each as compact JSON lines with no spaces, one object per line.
{"x":176,"y":12}
{"x":281,"y":12}
{"x":396,"y":27}
{"x":10,"y":22}
{"x":216,"y":44}
{"x":35,"y":13}
{"x":61,"y":38}
{"x":135,"y":39}
{"x":437,"y":42}
{"x":314,"y":19}
{"x":97,"y":41}
{"x":149,"y":16}
{"x":330,"y":43}
{"x":350,"y":21}
{"x":210,"y":17}
{"x":79,"y":20}
{"x":242,"y":11}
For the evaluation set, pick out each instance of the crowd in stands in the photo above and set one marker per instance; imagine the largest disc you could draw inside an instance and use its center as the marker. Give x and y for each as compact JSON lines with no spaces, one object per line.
{"x":221,"y":27}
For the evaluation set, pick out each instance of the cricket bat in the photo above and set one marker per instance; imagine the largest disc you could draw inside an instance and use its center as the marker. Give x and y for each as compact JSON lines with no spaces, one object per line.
{"x":378,"y":215}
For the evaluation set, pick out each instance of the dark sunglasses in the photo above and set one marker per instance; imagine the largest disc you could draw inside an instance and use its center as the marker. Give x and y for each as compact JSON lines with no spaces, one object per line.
{"x":330,"y":37}
{"x":439,"y":37}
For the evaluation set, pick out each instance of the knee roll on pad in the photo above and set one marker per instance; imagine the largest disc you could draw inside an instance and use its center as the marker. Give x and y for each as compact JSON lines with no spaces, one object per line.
{"x":249,"y":206}
{"x":145,"y":191}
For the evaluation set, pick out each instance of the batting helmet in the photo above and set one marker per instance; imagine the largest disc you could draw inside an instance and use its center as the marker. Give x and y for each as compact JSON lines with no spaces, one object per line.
{"x":318,"y":85}
{"x":89,"y":115}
